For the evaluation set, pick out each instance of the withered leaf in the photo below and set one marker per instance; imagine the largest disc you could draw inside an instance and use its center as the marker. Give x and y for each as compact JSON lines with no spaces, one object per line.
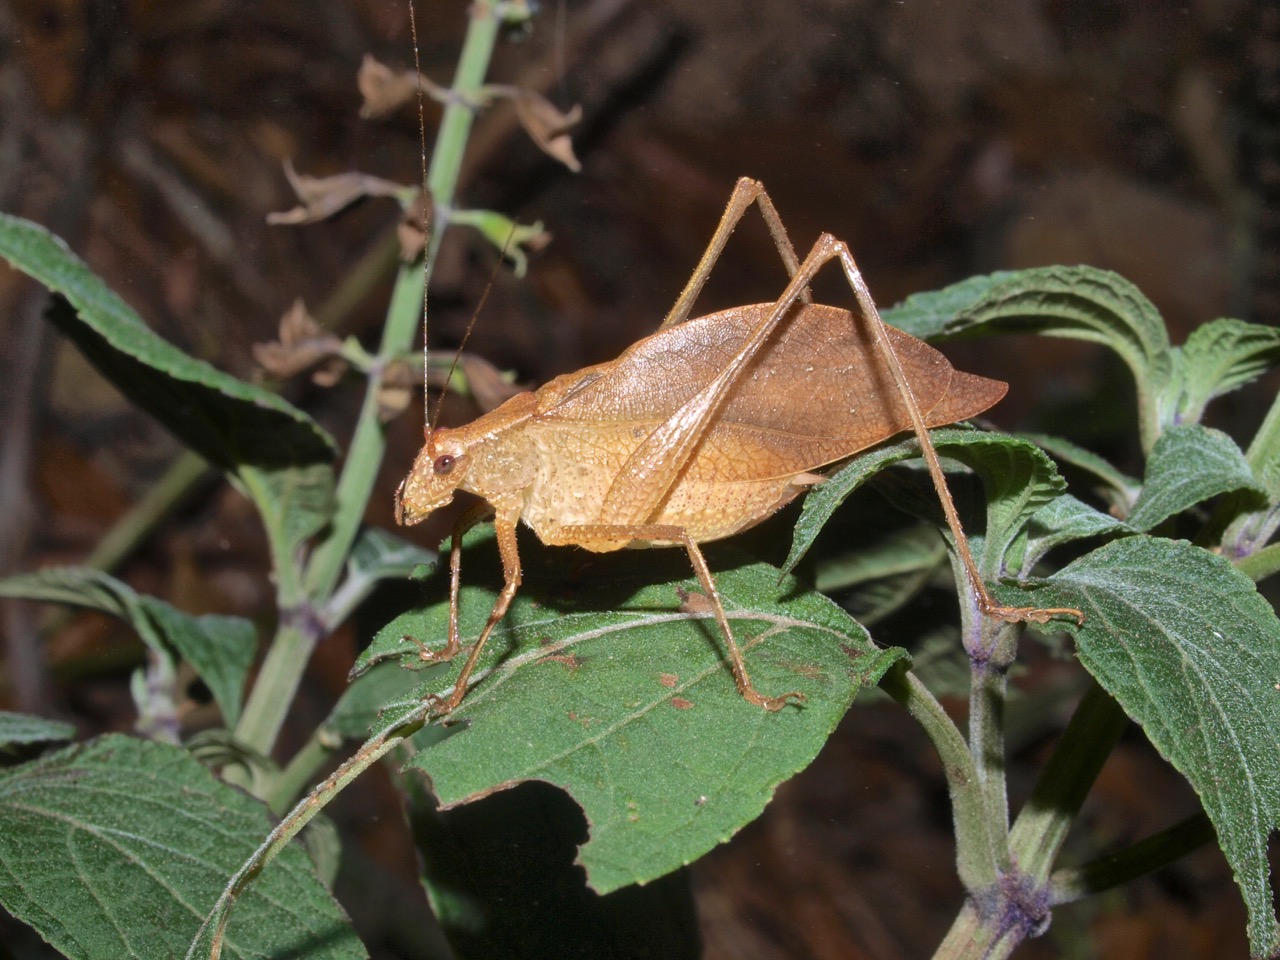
{"x":548,"y":127}
{"x":398,"y":383}
{"x":385,"y":91}
{"x":322,"y":197}
{"x":303,"y":344}
{"x":414,"y":228}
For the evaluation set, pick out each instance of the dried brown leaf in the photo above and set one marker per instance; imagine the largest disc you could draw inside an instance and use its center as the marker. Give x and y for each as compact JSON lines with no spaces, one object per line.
{"x":385,"y":91}
{"x":486,"y":381}
{"x":303,"y":344}
{"x":548,"y":127}
{"x":398,"y":383}
{"x":322,"y":197}
{"x":414,"y":229}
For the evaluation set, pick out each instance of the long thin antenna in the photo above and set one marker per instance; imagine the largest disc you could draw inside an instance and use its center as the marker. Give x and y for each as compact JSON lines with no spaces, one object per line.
{"x":471,"y":324}
{"x":426,"y":204}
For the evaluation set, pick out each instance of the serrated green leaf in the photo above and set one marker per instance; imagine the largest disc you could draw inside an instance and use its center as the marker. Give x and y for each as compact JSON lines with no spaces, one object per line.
{"x":118,"y":848}
{"x":940,"y":313}
{"x":1217,"y":358}
{"x":1119,"y":489}
{"x":219,"y":648}
{"x":21,"y":729}
{"x":633,"y":711}
{"x":227,"y":421}
{"x":886,"y":574}
{"x":1065,"y":520}
{"x":823,"y":500}
{"x":1017,"y":476}
{"x":1191,"y":651}
{"x":1188,"y":465}
{"x":1084,"y":303}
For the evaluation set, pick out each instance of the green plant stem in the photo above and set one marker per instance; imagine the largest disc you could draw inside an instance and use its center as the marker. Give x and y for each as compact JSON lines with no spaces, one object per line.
{"x":977,"y":847}
{"x":290,"y":651}
{"x":1042,"y":826}
{"x":973,"y":938}
{"x":988,"y":690}
{"x":1261,"y":564}
{"x":404,"y":314}
{"x":1156,"y":851}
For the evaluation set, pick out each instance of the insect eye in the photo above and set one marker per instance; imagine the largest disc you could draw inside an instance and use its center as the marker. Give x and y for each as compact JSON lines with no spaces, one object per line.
{"x":443,"y":465}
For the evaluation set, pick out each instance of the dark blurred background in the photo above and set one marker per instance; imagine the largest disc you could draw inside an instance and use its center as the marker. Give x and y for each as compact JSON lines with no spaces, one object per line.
{"x":940,"y":138}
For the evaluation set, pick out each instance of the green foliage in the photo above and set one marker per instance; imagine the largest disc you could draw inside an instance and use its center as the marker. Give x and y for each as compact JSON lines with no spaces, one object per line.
{"x":1192,"y":653}
{"x":636,"y":713}
{"x":19,"y":729}
{"x":119,"y":847}
{"x":220,"y":649}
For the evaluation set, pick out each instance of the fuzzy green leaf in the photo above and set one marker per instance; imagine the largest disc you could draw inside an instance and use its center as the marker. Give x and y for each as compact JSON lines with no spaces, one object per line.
{"x":21,"y":729}
{"x":1084,"y":303}
{"x":1191,"y":651}
{"x":632,"y":710}
{"x":1217,"y":358}
{"x":823,"y":500}
{"x":938,"y":313}
{"x":225,"y":420}
{"x":1062,"y":521}
{"x":118,"y":848}
{"x":219,"y":648}
{"x":1118,"y":488}
{"x":277,"y":452}
{"x":376,"y":555}
{"x":1188,"y":465}
{"x":1017,"y":476}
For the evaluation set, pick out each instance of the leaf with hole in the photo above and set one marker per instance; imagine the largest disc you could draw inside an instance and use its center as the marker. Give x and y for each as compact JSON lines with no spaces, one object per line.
{"x":632,"y":709}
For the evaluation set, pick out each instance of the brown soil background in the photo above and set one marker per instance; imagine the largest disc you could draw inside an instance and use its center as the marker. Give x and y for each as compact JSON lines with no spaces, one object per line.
{"x":940,"y":139}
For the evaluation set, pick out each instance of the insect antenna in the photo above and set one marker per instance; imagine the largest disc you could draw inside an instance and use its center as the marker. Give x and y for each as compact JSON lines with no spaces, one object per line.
{"x":426,"y":204}
{"x":433,"y":422}
{"x":466,"y":334}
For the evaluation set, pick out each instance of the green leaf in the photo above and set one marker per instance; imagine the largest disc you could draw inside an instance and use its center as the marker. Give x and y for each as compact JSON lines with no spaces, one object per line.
{"x":1018,"y":477}
{"x":362,"y":704}
{"x":21,"y":729}
{"x":633,"y":711}
{"x":1252,"y":528}
{"x":376,"y":555}
{"x":1264,"y":452}
{"x":1062,"y":521}
{"x":1217,"y":358}
{"x":294,"y":503}
{"x":1191,"y":651}
{"x":886,"y":574}
{"x":225,"y":420}
{"x":1189,"y":464}
{"x":219,"y":648}
{"x":118,"y":848}
{"x":1084,"y":303}
{"x":1119,"y":489}
{"x":939,"y":313}
{"x":272,"y":447}
{"x":823,"y":500}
